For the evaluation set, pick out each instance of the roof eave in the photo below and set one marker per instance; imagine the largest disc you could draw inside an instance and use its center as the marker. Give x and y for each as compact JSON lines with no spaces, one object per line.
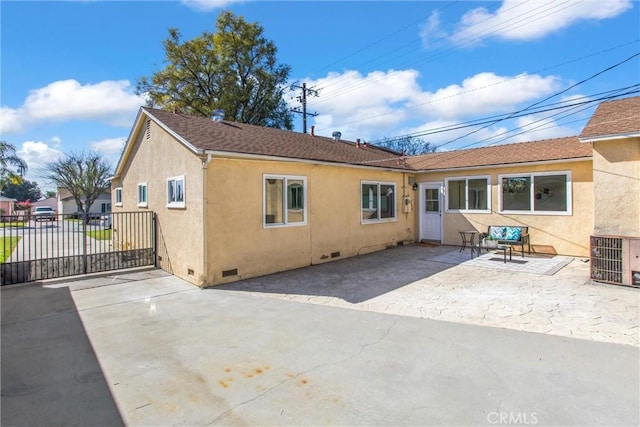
{"x":598,"y":138}
{"x":237,"y":155}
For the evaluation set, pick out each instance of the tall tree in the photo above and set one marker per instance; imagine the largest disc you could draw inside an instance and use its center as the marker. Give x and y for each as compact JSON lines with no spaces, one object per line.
{"x":12,"y":167}
{"x":24,"y":190}
{"x":83,"y":175}
{"x":409,"y":145}
{"x":234,"y":69}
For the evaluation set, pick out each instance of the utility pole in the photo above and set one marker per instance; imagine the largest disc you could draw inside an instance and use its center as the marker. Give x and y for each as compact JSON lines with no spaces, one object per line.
{"x":303,"y":100}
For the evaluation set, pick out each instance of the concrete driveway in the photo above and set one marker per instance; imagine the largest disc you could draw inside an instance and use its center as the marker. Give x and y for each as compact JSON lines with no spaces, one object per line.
{"x":143,"y":348}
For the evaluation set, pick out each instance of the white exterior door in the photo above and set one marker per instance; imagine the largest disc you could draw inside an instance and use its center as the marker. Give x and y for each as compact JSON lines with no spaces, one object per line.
{"x":431,"y":211}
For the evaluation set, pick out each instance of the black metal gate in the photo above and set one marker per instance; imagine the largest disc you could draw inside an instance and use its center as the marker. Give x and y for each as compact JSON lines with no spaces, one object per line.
{"x":67,"y":245}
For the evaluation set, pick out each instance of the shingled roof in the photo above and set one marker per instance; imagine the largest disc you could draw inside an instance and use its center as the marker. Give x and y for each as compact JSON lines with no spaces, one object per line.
{"x":206,"y":134}
{"x":569,"y":148}
{"x":614,"y":118}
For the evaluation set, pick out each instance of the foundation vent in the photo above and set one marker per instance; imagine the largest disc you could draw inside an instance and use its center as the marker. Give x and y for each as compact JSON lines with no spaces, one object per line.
{"x":229,"y":273}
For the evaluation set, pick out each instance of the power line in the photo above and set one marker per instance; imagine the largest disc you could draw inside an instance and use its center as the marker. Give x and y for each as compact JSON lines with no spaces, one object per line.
{"x":463,"y":92}
{"x":562,"y":106}
{"x":549,"y":120}
{"x":547,"y":98}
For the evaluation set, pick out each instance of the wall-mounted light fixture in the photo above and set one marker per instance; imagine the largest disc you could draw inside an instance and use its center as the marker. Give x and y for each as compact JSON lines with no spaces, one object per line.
{"x":413,"y":183}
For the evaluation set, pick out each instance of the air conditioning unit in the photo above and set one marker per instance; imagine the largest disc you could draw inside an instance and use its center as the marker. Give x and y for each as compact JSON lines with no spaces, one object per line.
{"x":615,"y":259}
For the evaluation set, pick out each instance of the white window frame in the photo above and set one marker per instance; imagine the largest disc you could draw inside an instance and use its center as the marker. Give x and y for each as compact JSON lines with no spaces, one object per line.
{"x":378,"y":219}
{"x":532,"y":176}
{"x":118,"y":196}
{"x":466,"y":194}
{"x":285,"y":202}
{"x":143,"y":203}
{"x":176,"y":204}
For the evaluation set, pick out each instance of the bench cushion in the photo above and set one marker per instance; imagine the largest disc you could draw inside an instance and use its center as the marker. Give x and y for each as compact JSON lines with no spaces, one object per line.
{"x":512,"y":233}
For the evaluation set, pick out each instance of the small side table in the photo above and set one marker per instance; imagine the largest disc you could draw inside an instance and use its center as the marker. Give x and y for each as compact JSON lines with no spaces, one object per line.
{"x":468,"y":237}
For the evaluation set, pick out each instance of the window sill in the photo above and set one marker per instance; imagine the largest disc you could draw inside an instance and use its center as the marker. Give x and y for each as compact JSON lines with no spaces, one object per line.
{"x":547,"y":213}
{"x":176,"y":206}
{"x":467,"y":211}
{"x":378,"y":221}
{"x":281,"y":225}
{"x":142,"y":205}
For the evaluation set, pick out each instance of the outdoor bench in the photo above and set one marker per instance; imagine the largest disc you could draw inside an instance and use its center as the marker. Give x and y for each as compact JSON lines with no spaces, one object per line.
{"x":509,"y":235}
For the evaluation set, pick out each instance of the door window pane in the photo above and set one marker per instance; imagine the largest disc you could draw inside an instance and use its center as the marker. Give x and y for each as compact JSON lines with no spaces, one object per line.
{"x":431,"y":197}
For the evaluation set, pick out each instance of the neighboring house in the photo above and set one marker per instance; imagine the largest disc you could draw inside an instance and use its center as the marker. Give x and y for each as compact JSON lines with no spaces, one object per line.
{"x":66,"y":204}
{"x":6,"y":205}
{"x":235,"y":201}
{"x":52,"y":202}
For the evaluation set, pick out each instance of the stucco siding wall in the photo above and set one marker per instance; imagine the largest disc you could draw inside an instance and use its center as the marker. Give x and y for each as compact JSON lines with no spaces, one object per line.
{"x":180,"y":231}
{"x":238,"y":240}
{"x":616,"y":184}
{"x":566,"y":234}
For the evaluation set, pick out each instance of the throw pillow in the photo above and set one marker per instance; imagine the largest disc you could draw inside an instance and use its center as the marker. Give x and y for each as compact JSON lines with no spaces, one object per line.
{"x":512,"y":233}
{"x":497,"y":233}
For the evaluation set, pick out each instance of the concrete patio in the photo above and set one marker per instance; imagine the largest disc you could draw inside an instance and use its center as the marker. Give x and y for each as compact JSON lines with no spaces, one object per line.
{"x":409,"y":336}
{"x":539,"y":293}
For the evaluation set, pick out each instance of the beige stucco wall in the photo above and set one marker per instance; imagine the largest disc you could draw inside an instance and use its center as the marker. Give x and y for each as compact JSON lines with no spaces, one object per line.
{"x":616,"y":185}
{"x":237,"y":239}
{"x":567,"y":234}
{"x":180,"y":231}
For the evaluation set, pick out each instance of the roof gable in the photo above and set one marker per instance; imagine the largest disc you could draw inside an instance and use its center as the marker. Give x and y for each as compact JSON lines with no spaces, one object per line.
{"x":205,"y":136}
{"x":618,"y":118}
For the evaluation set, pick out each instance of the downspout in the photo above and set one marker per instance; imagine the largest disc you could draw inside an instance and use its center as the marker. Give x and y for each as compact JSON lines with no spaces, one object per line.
{"x":205,"y":223}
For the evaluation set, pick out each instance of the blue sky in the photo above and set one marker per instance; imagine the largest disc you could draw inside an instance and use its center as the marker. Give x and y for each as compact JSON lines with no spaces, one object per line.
{"x":382,"y":68}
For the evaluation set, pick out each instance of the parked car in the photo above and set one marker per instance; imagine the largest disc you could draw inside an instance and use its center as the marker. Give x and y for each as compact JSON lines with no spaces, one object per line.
{"x":105,"y":221}
{"x":43,"y":213}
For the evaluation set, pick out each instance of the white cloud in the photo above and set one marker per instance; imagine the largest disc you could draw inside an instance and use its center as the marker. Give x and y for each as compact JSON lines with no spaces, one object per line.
{"x":380,"y":104}
{"x":361,"y":105}
{"x":527,"y":20}
{"x":38,"y":154}
{"x":111,"y":102}
{"x":483,"y":94}
{"x":110,"y":148}
{"x":208,"y":5}
{"x":108,"y":145}
{"x":431,"y":30}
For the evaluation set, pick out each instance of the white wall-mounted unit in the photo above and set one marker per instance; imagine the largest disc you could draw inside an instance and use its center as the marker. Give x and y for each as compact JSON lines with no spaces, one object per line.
{"x":615,"y":259}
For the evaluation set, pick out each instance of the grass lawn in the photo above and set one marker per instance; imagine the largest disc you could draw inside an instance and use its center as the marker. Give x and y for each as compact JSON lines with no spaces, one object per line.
{"x":14,"y":224}
{"x":99,"y":234}
{"x":6,"y":246}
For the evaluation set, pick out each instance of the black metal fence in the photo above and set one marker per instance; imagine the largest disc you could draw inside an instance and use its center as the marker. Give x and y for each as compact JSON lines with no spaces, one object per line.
{"x":65,"y":245}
